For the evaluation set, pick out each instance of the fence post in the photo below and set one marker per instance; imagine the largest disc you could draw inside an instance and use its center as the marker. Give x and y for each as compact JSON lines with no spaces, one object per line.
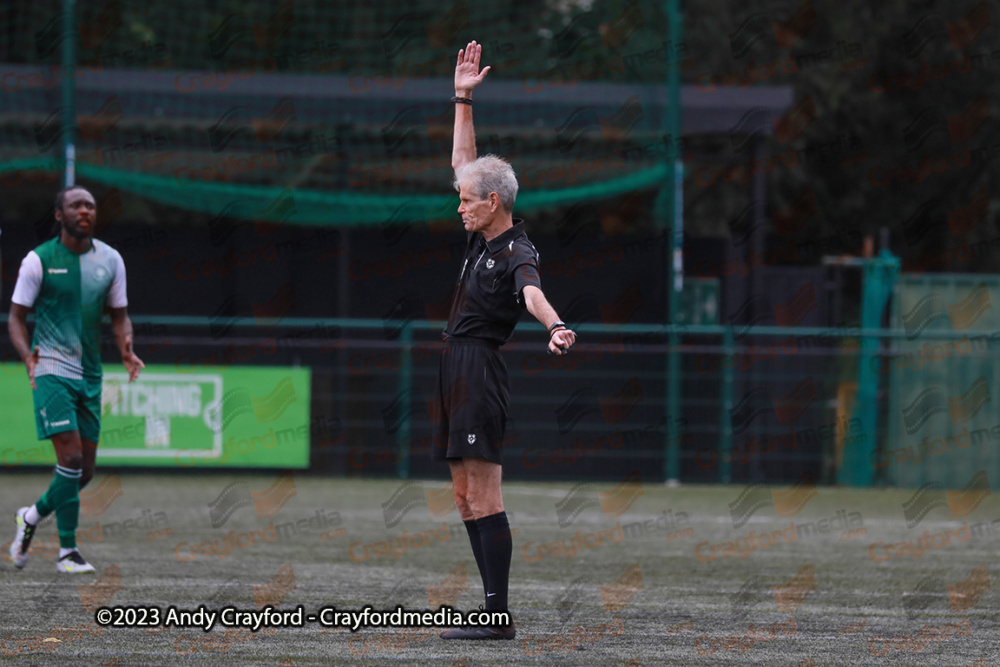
{"x":405,"y":373}
{"x":671,"y":195}
{"x":672,"y":455}
{"x":725,"y":405}
{"x":879,"y":275}
{"x":70,"y":30}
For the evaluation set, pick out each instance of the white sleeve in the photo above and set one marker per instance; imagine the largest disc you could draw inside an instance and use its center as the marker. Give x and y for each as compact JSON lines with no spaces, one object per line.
{"x":29,"y":280}
{"x":116,"y":295}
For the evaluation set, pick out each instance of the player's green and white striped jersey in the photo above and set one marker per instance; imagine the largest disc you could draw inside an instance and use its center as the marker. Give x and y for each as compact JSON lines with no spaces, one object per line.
{"x":68,"y":292}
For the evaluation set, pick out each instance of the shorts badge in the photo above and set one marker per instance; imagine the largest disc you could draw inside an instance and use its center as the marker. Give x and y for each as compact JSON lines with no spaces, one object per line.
{"x":472,"y":438}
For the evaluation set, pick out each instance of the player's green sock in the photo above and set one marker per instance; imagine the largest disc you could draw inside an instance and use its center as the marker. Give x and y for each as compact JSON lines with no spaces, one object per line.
{"x":63,"y":496}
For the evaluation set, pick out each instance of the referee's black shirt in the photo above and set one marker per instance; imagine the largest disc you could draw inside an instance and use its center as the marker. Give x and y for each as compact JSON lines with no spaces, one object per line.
{"x":488,"y":301}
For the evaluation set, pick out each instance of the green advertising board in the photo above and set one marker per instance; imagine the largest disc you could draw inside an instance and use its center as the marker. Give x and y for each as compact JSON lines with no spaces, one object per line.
{"x":248,"y":417}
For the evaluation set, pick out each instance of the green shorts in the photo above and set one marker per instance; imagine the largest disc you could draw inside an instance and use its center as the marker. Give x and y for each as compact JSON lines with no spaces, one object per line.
{"x":62,"y":404}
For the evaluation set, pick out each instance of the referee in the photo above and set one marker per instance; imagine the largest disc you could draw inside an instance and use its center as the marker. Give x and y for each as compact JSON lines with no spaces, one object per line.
{"x":498,"y":281}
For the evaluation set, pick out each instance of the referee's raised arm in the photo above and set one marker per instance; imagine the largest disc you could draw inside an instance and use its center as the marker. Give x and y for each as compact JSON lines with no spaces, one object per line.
{"x":467,"y":77}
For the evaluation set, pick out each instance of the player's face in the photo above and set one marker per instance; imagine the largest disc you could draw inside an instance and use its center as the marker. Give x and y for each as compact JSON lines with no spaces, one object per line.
{"x":79,"y":213}
{"x":477,"y":214}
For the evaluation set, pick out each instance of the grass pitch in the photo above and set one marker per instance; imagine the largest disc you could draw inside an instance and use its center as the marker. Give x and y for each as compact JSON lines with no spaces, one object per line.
{"x":599,"y":576}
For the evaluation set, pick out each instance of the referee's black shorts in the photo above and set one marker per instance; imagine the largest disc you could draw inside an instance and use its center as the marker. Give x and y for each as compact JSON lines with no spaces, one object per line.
{"x":469,"y":413}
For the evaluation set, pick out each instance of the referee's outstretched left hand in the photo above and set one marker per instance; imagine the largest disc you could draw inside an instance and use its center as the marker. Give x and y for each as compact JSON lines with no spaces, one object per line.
{"x":561,"y":341}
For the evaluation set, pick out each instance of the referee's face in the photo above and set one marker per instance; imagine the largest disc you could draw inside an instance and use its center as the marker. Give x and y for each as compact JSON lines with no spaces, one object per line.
{"x":477,"y":214}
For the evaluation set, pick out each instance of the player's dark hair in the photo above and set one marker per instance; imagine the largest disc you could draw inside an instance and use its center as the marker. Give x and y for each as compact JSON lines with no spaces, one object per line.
{"x":62,"y":195}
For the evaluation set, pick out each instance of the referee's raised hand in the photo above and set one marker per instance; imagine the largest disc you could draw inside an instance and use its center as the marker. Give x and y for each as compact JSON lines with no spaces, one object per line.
{"x":467,"y":74}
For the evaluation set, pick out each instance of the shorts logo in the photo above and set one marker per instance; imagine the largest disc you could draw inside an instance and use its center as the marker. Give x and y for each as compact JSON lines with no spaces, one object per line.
{"x":472,"y":438}
{"x":490,"y":264}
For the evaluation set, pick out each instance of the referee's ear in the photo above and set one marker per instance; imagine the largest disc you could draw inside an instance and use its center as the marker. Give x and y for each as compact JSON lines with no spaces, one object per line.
{"x":494,"y":202}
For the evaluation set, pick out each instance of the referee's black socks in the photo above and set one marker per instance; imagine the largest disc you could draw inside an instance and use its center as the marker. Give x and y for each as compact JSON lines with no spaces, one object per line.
{"x":497,"y":546}
{"x":477,"y":548}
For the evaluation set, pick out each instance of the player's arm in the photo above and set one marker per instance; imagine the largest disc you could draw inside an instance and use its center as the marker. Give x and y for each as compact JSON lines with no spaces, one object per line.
{"x":121,"y":324}
{"x":26,"y":290}
{"x":562,"y":338}
{"x":467,"y":77}
{"x":17,"y":327}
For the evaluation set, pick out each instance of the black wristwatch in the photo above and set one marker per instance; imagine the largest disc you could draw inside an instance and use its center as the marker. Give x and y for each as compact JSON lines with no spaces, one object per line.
{"x":557,"y":324}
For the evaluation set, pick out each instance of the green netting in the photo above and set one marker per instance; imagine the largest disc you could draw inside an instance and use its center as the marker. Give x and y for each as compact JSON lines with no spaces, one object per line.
{"x":267,"y":203}
{"x":211,"y":105}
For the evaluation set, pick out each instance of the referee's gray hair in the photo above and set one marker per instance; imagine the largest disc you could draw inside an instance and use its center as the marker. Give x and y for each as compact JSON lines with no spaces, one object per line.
{"x":490,"y":173}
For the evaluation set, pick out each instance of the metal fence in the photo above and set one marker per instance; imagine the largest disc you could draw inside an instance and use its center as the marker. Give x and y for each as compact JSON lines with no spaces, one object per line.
{"x":756,"y":403}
